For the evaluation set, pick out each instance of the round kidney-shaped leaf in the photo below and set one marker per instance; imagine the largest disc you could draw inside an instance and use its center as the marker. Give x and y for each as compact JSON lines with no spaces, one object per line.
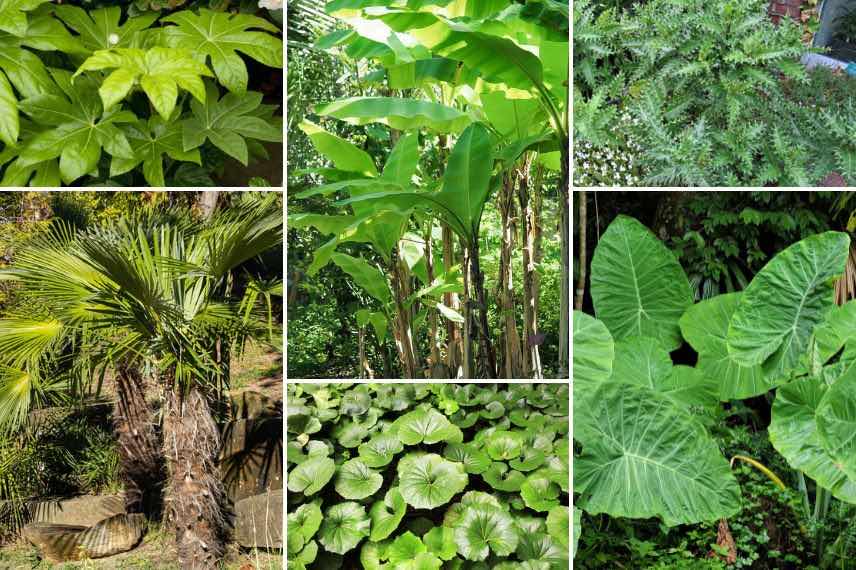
{"x":531,"y":459}
{"x":501,"y":478}
{"x":504,"y":445}
{"x":344,"y":526}
{"x":440,"y":541}
{"x":426,"y":426}
{"x":311,"y":475}
{"x":482,"y":529}
{"x":356,"y":481}
{"x":386,"y":515}
{"x":404,"y":548}
{"x":540,"y":546}
{"x":559,"y":524}
{"x":474,"y":459}
{"x":380,"y":449}
{"x":304,"y":522}
{"x":539,"y":492}
{"x":427,"y":481}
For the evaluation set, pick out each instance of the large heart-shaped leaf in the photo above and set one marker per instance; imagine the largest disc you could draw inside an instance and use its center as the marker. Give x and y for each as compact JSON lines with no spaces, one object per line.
{"x":426,"y":425}
{"x":794,"y":433}
{"x":836,"y":422}
{"x":427,"y":481}
{"x":593,"y":351}
{"x":344,"y":526}
{"x":310,"y":476}
{"x":705,"y":327}
{"x":785,"y":301}
{"x":159,"y":71}
{"x":637,"y":286}
{"x":398,"y":113}
{"x":482,"y":529}
{"x":644,"y":456}
{"x":219,"y":35}
{"x":387,"y":514}
{"x":228,"y":122}
{"x":355,"y":480}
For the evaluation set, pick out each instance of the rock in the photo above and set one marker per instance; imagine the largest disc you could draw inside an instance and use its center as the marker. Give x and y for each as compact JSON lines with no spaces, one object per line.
{"x":251,"y":457}
{"x":84,"y":511}
{"x":258,"y":520}
{"x":60,"y":542}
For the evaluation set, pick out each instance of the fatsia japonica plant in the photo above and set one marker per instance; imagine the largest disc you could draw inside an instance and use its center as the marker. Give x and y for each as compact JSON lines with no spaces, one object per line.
{"x":488,"y":83}
{"x":641,"y":421}
{"x":419,"y":476}
{"x":98,"y":97}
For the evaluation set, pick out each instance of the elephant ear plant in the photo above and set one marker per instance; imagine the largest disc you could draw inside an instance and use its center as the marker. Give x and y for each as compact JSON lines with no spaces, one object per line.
{"x":422,"y":476}
{"x":96,"y":97}
{"x":640,"y":419}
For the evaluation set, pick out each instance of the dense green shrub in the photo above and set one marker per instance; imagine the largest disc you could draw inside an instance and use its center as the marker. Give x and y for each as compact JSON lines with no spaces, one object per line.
{"x":99,"y":97}
{"x":412,"y":475}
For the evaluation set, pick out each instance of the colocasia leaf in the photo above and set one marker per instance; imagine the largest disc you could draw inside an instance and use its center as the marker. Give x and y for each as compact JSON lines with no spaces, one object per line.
{"x":159,"y":71}
{"x":99,"y":29}
{"x":227,"y":122}
{"x":13,"y":15}
{"x":150,"y":141}
{"x":219,"y":36}
{"x":77,"y":130}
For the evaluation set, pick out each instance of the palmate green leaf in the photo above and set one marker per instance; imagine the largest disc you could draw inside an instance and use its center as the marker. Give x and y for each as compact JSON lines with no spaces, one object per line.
{"x":396,"y":112}
{"x":13,"y":15}
{"x":426,"y":426}
{"x":10,"y":125}
{"x":368,"y":277}
{"x":159,"y":71}
{"x":705,"y":327}
{"x":310,"y":476}
{"x":637,"y":286}
{"x":150,"y":141}
{"x":794,"y":433}
{"x":26,"y":71}
{"x":228,"y":122}
{"x":46,"y":33}
{"x":644,"y":456}
{"x":483,"y":529}
{"x":380,"y":449}
{"x":836,"y":422}
{"x":386,"y":515}
{"x":427,"y":481}
{"x":98,"y":27}
{"x":344,"y":155}
{"x":25,"y":340}
{"x":344,"y":526}
{"x":219,"y":36}
{"x":785,"y":301}
{"x":75,"y":129}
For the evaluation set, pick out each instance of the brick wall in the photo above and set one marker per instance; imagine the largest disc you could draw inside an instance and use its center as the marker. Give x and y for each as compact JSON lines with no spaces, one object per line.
{"x":779,"y":8}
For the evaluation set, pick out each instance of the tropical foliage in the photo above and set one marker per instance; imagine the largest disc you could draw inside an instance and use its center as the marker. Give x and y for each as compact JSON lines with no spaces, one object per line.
{"x":482,"y":90}
{"x":644,"y":424}
{"x":428,"y":475}
{"x":116,"y":96}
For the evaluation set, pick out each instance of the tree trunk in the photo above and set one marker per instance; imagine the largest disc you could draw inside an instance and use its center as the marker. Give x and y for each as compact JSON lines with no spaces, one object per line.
{"x":140,"y":459}
{"x":581,"y":280}
{"x":403,"y":326}
{"x":530,"y":232}
{"x":512,"y":352}
{"x":454,"y":333}
{"x":486,"y":356}
{"x":195,"y":493}
{"x":207,"y":203}
{"x":436,"y":365}
{"x":467,"y":340}
{"x":565,"y":309}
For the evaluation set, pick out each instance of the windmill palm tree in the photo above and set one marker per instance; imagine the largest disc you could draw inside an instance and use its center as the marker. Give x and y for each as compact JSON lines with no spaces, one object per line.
{"x":148,"y":295}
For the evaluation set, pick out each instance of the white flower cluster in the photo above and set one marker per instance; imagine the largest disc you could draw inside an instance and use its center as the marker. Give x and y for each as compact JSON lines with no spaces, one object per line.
{"x":616,"y":165}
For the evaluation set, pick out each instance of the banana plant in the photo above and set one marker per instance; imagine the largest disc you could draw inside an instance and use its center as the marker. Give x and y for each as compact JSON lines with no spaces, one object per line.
{"x":646,"y":451}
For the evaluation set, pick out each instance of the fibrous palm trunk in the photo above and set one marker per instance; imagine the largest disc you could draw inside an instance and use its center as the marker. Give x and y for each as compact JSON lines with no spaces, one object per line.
{"x":195,"y":493}
{"x":140,"y":460}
